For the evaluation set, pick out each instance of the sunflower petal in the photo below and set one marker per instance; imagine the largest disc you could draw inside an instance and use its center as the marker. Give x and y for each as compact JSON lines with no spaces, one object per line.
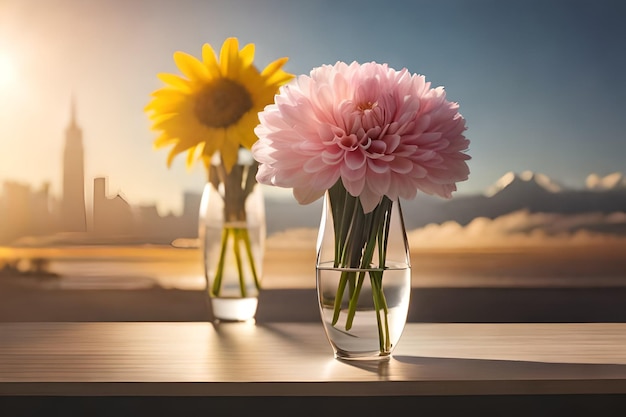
{"x":185,"y":135}
{"x":245,"y":130}
{"x":157,"y":118}
{"x":246,"y":55}
{"x":230,"y":149}
{"x":279,"y":78}
{"x":168,"y":93}
{"x":192,"y":155}
{"x":215,"y":144}
{"x":190,"y":66}
{"x":272,"y":67}
{"x":209,"y":59}
{"x":229,"y":58}
{"x":274,"y":74}
{"x":162,"y":141}
{"x":168,"y":124}
{"x":171,"y":104}
{"x":175,"y":81}
{"x":178,"y":148}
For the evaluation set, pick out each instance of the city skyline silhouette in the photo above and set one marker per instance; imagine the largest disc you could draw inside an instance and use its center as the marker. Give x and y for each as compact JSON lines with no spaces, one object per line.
{"x":33,"y":216}
{"x":73,"y":210}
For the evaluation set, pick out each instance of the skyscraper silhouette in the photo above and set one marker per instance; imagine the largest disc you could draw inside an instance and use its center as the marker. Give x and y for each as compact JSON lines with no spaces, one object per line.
{"x":73,"y":213}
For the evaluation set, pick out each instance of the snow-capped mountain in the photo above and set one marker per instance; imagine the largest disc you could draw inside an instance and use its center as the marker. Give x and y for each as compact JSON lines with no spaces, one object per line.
{"x":612,"y":181}
{"x":534,"y":192}
{"x":524,"y":182}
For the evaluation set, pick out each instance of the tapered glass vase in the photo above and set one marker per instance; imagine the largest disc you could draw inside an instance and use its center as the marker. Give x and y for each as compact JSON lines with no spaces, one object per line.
{"x":232,"y":238}
{"x":363,"y":276}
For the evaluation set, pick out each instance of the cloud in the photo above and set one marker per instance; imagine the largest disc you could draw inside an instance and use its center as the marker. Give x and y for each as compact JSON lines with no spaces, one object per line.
{"x":609,"y":182}
{"x":522,"y":228}
{"x":519,"y":228}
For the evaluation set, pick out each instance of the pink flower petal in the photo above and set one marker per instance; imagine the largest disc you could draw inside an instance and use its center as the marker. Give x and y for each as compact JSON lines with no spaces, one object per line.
{"x":381,"y":131}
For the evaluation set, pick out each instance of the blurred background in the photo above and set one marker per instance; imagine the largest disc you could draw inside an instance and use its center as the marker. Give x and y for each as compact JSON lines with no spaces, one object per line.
{"x":541,"y":84}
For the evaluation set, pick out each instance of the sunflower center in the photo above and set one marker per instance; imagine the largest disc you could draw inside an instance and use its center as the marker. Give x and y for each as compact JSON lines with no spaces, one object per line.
{"x":222,"y":103}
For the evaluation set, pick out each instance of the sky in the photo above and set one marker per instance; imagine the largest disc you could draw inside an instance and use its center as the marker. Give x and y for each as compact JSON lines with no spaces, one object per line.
{"x":541,"y":83}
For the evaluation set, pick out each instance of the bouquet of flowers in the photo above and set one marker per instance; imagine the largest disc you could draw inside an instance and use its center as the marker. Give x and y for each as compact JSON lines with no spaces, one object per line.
{"x":210,"y":112}
{"x":366,"y":135}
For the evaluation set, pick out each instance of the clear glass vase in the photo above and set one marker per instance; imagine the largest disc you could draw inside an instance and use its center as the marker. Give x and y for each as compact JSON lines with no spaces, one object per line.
{"x":363,"y":276}
{"x":232,"y":232}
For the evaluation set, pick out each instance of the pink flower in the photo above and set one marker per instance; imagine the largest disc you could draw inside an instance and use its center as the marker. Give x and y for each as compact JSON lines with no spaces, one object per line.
{"x":381,"y":131}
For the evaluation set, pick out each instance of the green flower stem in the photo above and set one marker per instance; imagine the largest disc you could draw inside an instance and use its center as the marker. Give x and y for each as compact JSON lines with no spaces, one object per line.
{"x":237,"y":183}
{"x":376,"y":229}
{"x":246,"y":240}
{"x":339,"y":211}
{"x":358,"y":236}
{"x":240,"y":236}
{"x":354,"y":299}
{"x":237,"y":252}
{"x":380,"y":303}
{"x":343,"y":279}
{"x":217,"y":282}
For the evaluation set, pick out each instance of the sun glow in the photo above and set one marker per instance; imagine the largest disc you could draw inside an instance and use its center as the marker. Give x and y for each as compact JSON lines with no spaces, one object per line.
{"x":8,"y":72}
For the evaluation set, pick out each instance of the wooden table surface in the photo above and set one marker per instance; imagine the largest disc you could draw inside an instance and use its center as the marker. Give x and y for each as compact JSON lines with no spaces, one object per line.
{"x":295,"y":359}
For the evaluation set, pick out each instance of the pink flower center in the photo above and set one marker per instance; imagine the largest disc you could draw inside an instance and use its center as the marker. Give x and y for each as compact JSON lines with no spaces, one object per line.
{"x":366,"y":106}
{"x":348,"y":142}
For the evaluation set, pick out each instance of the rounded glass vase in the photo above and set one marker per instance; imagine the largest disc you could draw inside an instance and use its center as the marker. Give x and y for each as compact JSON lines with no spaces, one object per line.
{"x":363,"y":276}
{"x":232,"y":233}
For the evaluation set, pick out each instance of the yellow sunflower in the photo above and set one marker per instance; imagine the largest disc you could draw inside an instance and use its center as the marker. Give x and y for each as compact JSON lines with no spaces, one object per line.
{"x":215,"y":108}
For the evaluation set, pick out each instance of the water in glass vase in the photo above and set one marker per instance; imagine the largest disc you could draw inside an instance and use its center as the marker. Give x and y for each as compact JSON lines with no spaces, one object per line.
{"x":233,"y":262}
{"x":372,"y":326}
{"x":234,"y":309}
